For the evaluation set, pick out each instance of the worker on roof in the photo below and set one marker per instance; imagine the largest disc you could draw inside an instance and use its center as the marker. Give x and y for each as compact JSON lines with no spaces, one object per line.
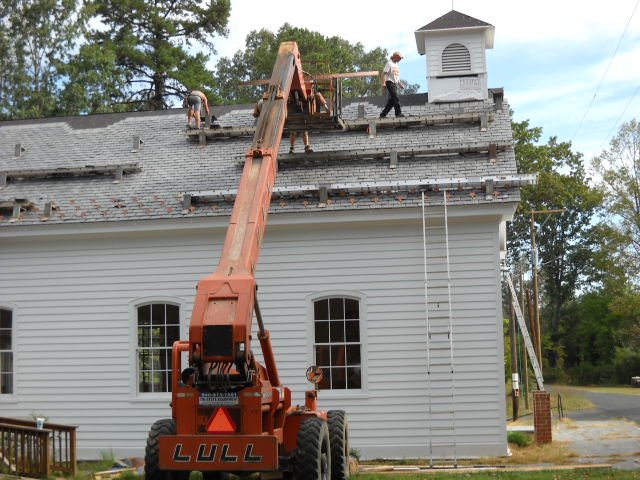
{"x":391,"y":77}
{"x":257,"y":109}
{"x":305,"y":140}
{"x":196,"y":100}
{"x":318,"y":101}
{"x":290,"y":106}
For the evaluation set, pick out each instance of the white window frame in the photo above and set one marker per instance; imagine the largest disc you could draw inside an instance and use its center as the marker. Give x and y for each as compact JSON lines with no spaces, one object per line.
{"x":133,"y":309}
{"x":361,"y":298}
{"x":12,"y":397}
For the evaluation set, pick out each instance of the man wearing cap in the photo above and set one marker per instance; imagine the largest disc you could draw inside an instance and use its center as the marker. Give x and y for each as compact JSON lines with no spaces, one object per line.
{"x":391,"y":76}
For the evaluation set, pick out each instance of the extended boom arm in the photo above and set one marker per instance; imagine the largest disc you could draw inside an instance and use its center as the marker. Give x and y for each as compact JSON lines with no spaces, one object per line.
{"x":220,"y":329}
{"x":230,"y":413}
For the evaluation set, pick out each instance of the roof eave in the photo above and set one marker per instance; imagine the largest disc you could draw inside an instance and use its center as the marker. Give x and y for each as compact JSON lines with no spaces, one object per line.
{"x":489,"y":34}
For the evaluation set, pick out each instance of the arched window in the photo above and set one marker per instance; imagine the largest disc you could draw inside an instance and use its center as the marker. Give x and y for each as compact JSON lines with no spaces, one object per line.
{"x":456,"y":58}
{"x":158,"y":326}
{"x":6,"y":351}
{"x":337,"y":345}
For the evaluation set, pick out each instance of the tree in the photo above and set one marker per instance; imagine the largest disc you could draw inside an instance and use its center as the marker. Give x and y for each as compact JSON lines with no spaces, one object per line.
{"x":36,"y":37}
{"x":567,"y":243}
{"x":627,"y":306}
{"x":320,"y":55}
{"x":590,"y":348}
{"x":138,"y":57}
{"x":619,"y":170}
{"x":410,"y":88}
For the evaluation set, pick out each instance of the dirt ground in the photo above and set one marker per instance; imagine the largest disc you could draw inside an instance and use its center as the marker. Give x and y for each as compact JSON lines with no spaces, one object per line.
{"x":614,"y":441}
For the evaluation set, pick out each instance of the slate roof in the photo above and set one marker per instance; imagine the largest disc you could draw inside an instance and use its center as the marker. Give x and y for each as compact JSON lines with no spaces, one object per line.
{"x":454,"y":19}
{"x":170,"y":163}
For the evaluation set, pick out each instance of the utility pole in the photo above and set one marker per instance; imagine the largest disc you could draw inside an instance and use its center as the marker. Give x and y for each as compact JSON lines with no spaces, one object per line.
{"x":524,"y":366}
{"x":532,"y":323}
{"x":534,"y":266}
{"x":513,"y":341}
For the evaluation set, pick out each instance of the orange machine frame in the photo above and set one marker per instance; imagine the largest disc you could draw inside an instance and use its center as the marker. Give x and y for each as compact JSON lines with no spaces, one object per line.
{"x":261,"y":425}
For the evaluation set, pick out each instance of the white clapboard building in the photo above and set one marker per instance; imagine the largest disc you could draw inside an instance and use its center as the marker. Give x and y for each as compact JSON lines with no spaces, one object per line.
{"x":381,"y":246}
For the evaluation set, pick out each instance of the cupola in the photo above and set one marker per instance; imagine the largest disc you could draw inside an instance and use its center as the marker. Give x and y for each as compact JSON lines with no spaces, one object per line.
{"x":455,"y":47}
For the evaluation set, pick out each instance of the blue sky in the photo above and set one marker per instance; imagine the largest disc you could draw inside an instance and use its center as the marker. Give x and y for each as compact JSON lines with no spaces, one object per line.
{"x":549,"y":56}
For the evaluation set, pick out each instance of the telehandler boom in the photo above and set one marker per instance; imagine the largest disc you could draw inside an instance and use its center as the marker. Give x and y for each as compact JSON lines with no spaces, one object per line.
{"x":231,"y":414}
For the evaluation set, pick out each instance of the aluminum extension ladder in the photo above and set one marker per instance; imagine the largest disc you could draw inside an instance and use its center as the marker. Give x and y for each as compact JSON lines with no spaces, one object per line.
{"x":442,"y":441}
{"x":525,"y":333}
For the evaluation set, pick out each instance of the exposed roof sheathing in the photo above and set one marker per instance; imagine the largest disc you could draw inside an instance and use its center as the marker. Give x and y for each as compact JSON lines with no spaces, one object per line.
{"x":171,"y":165}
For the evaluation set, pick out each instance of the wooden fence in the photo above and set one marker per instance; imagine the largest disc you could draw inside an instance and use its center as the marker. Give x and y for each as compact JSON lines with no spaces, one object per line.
{"x":28,"y":451}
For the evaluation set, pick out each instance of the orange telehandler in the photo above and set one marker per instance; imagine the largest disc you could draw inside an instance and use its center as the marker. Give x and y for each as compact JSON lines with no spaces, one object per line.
{"x":231,"y":414}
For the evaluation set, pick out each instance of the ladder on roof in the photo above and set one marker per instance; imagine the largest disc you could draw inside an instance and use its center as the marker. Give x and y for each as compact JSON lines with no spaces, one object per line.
{"x":442,"y":441}
{"x":525,"y":333}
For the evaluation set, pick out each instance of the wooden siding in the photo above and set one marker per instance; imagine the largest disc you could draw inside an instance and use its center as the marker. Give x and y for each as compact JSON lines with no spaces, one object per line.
{"x":473,"y":41}
{"x":75,"y":299}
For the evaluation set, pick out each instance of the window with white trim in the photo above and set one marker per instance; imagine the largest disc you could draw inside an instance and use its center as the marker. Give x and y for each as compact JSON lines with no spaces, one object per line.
{"x":158,"y":326}
{"x":456,"y":58}
{"x":337,"y":347}
{"x":6,"y":352}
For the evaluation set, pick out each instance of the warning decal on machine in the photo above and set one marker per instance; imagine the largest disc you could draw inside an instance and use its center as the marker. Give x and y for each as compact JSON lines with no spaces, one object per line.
{"x":212,"y":399}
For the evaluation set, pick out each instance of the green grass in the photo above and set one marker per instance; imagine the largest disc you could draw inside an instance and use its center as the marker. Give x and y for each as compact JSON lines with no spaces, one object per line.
{"x":580,"y":474}
{"x":87,"y":469}
{"x":572,"y":400}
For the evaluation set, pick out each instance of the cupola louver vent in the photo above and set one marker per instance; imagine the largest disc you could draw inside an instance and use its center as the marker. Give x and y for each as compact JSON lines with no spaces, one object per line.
{"x":456,"y":58}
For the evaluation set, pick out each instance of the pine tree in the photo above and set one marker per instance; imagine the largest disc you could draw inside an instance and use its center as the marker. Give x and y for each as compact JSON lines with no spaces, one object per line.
{"x":141,"y":55}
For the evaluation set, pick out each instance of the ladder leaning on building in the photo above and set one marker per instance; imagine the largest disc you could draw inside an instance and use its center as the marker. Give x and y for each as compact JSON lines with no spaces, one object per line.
{"x":442,"y":440}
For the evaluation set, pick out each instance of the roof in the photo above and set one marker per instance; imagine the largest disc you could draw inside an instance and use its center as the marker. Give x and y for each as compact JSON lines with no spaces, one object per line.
{"x":140,"y":166}
{"x":453,"y":21}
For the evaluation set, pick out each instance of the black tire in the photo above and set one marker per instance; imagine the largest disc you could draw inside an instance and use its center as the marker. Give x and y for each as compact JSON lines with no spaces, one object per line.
{"x":216,"y":476}
{"x":313,"y":454}
{"x":339,"y":441}
{"x":152,"y":469}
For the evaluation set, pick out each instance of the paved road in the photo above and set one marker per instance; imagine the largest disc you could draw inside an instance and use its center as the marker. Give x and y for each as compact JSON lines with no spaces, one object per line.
{"x":609,"y":406}
{"x":608,"y":433}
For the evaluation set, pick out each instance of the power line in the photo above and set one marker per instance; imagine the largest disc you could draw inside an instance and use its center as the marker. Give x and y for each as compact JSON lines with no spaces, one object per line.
{"x":620,"y":117}
{"x":605,"y":71}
